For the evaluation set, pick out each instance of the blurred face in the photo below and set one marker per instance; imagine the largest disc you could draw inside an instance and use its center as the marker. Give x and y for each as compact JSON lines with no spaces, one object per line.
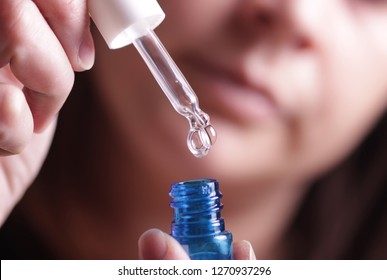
{"x":290,"y":86}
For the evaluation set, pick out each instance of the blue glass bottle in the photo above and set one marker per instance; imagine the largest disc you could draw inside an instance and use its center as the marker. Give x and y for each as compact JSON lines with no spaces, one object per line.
{"x":197,"y":224}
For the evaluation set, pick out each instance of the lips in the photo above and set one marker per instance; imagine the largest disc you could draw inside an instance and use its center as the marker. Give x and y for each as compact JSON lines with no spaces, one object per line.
{"x":226,"y":91}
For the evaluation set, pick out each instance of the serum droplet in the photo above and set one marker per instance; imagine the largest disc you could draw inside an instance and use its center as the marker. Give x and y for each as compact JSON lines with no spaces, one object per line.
{"x":196,"y":143}
{"x":210,"y":130}
{"x":200,"y":140}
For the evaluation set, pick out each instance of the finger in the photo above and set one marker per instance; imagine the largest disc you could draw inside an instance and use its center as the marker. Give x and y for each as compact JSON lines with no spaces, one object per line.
{"x":157,"y":245}
{"x":36,"y":58}
{"x":243,"y":251}
{"x":17,"y":172}
{"x":70,"y":21}
{"x":16,"y":124}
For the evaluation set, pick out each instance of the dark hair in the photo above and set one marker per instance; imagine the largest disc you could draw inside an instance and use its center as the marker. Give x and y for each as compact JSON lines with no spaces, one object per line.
{"x":344,"y":215}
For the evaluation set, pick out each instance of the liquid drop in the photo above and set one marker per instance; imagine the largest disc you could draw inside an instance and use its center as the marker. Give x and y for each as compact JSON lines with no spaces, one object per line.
{"x":200,"y":140}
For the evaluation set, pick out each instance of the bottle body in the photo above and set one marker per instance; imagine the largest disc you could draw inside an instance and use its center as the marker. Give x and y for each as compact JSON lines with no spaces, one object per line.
{"x":197,"y":224}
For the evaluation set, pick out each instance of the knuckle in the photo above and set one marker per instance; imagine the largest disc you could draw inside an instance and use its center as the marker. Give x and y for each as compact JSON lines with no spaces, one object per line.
{"x":14,"y":23}
{"x":58,"y":86}
{"x":63,"y":87}
{"x":68,"y":11}
{"x":69,"y":85}
{"x":14,"y":16}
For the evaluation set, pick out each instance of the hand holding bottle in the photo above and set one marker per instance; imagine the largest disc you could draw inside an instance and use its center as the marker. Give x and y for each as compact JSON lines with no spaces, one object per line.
{"x":42,"y":43}
{"x":157,"y":245}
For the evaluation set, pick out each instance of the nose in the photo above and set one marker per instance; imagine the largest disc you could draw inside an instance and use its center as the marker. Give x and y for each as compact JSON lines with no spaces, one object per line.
{"x":260,"y":15}
{"x":273,"y":21}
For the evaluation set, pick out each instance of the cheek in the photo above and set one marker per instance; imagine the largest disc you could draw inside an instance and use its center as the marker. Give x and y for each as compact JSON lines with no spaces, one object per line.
{"x":354,"y":77}
{"x":352,"y":97}
{"x":188,"y":23}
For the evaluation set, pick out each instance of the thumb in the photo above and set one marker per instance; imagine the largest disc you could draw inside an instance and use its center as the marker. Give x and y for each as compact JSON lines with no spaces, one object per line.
{"x":155,"y":244}
{"x":243,"y":250}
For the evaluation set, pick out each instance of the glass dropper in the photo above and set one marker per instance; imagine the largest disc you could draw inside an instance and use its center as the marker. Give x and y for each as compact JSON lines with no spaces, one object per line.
{"x":201,"y":135}
{"x":122,"y":22}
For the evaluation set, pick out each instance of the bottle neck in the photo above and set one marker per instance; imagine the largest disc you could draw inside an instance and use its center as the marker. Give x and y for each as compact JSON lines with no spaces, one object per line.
{"x":197,"y":208}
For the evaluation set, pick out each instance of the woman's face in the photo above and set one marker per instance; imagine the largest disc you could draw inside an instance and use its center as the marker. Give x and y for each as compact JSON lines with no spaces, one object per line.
{"x":290,"y":86}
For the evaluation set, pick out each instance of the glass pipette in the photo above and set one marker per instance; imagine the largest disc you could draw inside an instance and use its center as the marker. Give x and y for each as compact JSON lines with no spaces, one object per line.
{"x":201,"y":135}
{"x":122,"y":22}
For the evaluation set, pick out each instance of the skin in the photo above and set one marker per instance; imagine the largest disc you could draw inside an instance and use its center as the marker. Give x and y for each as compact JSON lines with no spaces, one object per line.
{"x":157,"y":245}
{"x":289,"y":92}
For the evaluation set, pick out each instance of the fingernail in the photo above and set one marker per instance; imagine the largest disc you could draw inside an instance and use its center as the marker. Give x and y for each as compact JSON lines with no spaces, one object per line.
{"x":153,"y":245}
{"x":251,"y":252}
{"x":249,"y":248}
{"x":86,"y":52}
